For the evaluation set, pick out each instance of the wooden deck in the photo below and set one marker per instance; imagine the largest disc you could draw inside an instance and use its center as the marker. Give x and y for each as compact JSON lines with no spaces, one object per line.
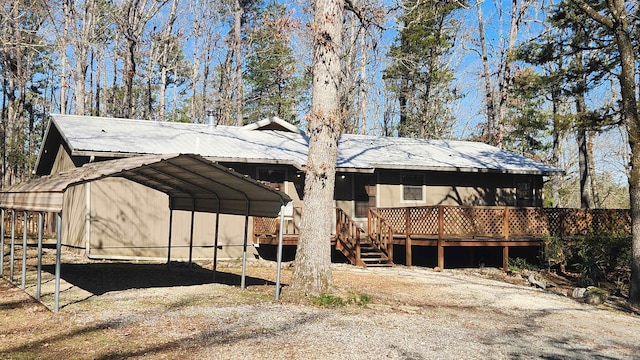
{"x":448,"y":226}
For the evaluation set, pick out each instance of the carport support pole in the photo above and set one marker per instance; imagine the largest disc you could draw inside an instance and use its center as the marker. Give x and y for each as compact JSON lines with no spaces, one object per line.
{"x":24,"y":249}
{"x":244,"y":248}
{"x":170,"y":231}
{"x":215,"y":241}
{"x":39,"y":271}
{"x":2,"y":242}
{"x":13,"y":244}
{"x":193,"y":217}
{"x":279,"y":251}
{"x":56,"y":301}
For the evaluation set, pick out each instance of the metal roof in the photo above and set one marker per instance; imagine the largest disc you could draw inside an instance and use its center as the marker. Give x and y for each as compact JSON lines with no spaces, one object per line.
{"x":111,"y":137}
{"x":191,"y":181}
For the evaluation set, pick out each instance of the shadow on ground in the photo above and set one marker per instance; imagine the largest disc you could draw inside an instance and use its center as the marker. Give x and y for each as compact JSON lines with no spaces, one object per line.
{"x":100,"y":278}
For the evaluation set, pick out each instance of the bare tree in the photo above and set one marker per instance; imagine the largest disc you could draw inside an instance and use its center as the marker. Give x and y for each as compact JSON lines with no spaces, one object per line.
{"x":131,"y":19}
{"x":82,"y":33}
{"x":165,"y":62}
{"x":496,"y":89}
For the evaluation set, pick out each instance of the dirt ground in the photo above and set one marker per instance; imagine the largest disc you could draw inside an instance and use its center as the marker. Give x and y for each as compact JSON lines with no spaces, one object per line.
{"x":115,"y":310}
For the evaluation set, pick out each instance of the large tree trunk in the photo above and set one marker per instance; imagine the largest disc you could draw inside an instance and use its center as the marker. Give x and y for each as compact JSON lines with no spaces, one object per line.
{"x":630,"y":112}
{"x":312,"y":274}
{"x":618,"y":23}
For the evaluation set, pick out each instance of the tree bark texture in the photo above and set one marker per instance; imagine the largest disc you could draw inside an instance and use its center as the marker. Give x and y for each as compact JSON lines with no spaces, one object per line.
{"x":312,"y":273}
{"x":619,"y":24}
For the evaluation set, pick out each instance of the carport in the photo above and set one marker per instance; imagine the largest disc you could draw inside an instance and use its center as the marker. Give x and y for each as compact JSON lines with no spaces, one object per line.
{"x":192,"y":183}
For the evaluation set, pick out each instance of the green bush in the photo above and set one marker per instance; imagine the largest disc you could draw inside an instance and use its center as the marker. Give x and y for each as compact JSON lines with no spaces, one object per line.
{"x":519,"y":264}
{"x":555,"y":252}
{"x":330,"y":300}
{"x":596,"y":257}
{"x":601,"y":257}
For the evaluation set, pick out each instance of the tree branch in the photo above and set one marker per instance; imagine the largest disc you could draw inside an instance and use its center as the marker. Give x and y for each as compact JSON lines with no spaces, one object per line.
{"x":592,"y":13}
{"x":359,"y":13}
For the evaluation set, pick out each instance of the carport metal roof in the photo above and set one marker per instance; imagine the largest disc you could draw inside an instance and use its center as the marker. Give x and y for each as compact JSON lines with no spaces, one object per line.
{"x":188,"y":179}
{"x":192,"y":182}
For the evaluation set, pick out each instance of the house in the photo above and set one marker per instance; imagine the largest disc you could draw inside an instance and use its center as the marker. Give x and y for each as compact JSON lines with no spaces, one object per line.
{"x":118,"y":218}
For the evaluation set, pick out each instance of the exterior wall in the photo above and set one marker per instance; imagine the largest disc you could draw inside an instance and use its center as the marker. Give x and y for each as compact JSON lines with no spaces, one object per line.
{"x":129,"y":220}
{"x":457,"y":189}
{"x":62,"y":161}
{"x":73,"y":217}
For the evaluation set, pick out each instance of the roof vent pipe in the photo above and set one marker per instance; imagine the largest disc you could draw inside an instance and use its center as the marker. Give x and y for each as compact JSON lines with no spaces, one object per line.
{"x":211,"y":120}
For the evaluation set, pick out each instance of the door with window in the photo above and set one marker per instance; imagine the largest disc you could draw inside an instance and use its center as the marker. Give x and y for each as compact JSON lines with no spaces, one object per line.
{"x":364,"y":194}
{"x":524,"y":193}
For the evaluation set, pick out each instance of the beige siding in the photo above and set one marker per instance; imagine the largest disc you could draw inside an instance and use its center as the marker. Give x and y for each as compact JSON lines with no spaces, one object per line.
{"x":62,"y":162}
{"x":73,"y":217}
{"x":131,"y":220}
{"x":391,"y":196}
{"x":468,"y":189}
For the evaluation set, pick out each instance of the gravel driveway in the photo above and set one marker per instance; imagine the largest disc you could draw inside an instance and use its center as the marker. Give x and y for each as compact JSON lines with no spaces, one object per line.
{"x":415,"y":313}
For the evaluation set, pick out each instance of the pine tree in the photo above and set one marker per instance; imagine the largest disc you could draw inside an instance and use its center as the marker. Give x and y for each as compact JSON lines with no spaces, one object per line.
{"x":418,"y":76}
{"x":274,"y":88}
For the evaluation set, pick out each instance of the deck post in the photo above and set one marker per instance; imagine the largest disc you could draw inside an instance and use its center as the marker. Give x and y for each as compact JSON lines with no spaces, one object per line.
{"x":358,"y":249}
{"x":407,"y":243}
{"x":505,"y":258}
{"x":440,"y":238}
{"x":505,"y":223}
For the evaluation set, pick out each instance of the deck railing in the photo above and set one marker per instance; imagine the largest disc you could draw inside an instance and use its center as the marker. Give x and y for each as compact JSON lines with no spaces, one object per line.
{"x":380,"y":233}
{"x":271,"y":226}
{"x":504,"y":222}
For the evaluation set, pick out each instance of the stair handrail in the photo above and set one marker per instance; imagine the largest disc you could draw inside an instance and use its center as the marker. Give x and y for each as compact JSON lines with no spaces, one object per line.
{"x":380,"y":233}
{"x":348,"y":233}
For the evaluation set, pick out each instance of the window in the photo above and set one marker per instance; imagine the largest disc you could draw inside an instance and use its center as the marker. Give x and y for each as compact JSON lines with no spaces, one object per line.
{"x":412,"y":187}
{"x":524,"y":193}
{"x":275,"y":178}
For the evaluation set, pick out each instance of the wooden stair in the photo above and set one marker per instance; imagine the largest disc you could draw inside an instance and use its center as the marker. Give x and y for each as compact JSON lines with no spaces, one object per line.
{"x":356,"y":245}
{"x":371,"y":255}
